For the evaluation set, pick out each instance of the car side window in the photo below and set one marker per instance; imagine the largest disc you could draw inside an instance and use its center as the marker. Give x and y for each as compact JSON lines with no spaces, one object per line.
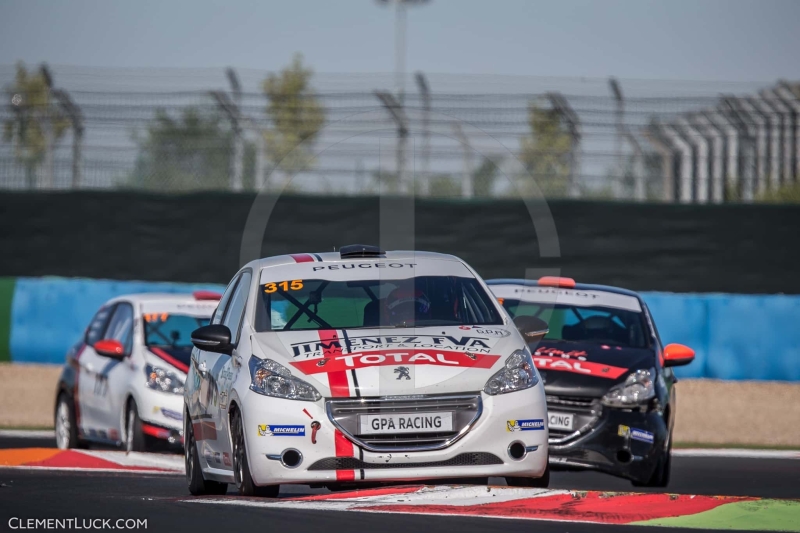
{"x":219,"y":312}
{"x":235,"y":312}
{"x":97,"y":326}
{"x":120,"y":327}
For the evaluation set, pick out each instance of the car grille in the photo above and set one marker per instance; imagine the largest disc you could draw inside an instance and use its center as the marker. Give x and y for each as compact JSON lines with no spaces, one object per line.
{"x":352,"y":463}
{"x":466,"y":410}
{"x":585,"y":413}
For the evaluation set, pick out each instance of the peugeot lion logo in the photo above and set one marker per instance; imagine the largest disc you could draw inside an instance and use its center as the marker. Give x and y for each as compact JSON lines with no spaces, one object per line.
{"x":402,"y":372}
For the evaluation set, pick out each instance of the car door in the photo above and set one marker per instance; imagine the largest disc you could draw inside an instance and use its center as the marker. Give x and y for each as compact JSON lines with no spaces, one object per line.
{"x":114,"y":375}
{"x":91,"y":387}
{"x":88,"y":360}
{"x":202,"y":394}
{"x":222,"y":370}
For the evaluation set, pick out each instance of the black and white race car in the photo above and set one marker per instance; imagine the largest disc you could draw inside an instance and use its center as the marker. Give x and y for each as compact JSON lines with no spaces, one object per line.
{"x":608,"y":379}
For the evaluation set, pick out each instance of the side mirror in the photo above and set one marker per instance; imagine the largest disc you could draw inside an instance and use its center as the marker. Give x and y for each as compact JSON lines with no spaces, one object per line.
{"x":213,"y":338}
{"x":677,"y":355}
{"x":110,"y":348}
{"x":532,"y":328}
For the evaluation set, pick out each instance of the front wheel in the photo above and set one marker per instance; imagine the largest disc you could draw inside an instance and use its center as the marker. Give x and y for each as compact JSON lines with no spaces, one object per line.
{"x":661,"y":474}
{"x":66,"y":424}
{"x":134,"y":436}
{"x":241,"y":468}
{"x":198,"y":485}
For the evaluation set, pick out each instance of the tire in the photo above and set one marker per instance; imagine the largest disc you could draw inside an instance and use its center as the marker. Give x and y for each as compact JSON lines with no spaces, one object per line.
{"x":532,"y":482}
{"x":134,"y":437}
{"x":66,"y":424}
{"x":661,"y":473}
{"x":241,"y":467}
{"x":198,"y":486}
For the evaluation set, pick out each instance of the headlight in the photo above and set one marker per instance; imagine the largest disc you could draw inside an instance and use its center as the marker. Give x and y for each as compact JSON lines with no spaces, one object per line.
{"x":271,"y":379}
{"x":637,"y":389}
{"x":163,"y":380}
{"x":517,"y":374}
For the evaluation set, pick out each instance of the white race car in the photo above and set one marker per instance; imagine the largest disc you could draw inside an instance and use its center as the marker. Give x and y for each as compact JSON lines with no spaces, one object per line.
{"x":361,"y":367}
{"x":122,"y":383}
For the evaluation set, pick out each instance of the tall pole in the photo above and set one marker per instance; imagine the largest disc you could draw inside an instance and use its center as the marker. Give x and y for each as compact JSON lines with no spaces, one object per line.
{"x":48,"y":132}
{"x":425,"y":94}
{"x":569,"y":116}
{"x":238,"y":141}
{"x":616,"y":90}
{"x":400,"y":49}
{"x":395,"y":109}
{"x":76,"y":119}
{"x":467,"y":187}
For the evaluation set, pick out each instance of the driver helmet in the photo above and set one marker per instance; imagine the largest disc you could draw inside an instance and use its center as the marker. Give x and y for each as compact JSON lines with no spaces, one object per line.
{"x":407,"y":305}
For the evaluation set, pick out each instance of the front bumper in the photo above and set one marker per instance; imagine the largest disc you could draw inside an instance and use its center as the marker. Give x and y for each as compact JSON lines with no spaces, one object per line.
{"x":482,"y":452}
{"x":623,"y":443}
{"x":162,"y":415}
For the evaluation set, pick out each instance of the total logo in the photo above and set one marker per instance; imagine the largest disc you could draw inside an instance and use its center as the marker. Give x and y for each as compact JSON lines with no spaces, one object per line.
{"x":339,"y":363}
{"x":578,"y":367}
{"x":268,"y":430}
{"x":535,"y":424}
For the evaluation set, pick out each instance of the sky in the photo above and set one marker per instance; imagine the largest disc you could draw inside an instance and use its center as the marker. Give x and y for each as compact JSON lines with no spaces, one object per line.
{"x":715,"y":40}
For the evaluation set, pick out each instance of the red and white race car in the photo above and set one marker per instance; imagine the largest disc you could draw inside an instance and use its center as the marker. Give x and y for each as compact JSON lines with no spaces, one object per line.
{"x":361,"y":366}
{"x":123,"y":382}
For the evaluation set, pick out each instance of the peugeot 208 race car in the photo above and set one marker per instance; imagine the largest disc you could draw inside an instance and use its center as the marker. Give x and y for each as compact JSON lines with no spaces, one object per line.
{"x":361,"y":367}
{"x":608,"y":379}
{"x":123,"y":382}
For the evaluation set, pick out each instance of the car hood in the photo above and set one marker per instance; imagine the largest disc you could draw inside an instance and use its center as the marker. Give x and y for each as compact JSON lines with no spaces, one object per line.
{"x":588,"y":370}
{"x":389,"y":362}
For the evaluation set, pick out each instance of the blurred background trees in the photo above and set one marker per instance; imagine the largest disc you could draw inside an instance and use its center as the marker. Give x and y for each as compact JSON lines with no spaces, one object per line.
{"x":36,"y":123}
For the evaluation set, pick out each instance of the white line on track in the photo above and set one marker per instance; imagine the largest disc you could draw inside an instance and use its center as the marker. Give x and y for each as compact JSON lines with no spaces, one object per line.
{"x":736,"y":453}
{"x":27,"y":433}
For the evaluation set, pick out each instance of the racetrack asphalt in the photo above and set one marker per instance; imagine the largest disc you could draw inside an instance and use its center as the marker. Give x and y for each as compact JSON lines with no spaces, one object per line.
{"x":52,"y":494}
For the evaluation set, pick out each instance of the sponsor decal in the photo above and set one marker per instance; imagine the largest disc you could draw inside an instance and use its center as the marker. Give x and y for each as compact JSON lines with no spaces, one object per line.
{"x":226,"y":459}
{"x":544,"y":350}
{"x":348,"y":266}
{"x":380,"y":423}
{"x":350,"y":361}
{"x":525,"y":425}
{"x":578,"y":367}
{"x":319,"y":348}
{"x":642,"y":435}
{"x":269,"y":430}
{"x":635,"y":434}
{"x":402,"y":372}
{"x":169,"y":413}
{"x":493,"y":332}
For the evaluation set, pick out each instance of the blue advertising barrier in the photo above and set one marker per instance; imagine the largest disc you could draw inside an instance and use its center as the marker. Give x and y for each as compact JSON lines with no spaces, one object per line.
{"x":736,"y":337}
{"x":49,"y":315}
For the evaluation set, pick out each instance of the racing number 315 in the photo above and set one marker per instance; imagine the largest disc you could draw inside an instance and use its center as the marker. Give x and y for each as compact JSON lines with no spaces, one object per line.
{"x":294,"y":285}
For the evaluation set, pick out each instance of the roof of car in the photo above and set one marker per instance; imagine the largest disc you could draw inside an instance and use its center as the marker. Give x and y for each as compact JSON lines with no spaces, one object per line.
{"x":148,"y":297}
{"x":578,"y":286}
{"x":336,"y":257}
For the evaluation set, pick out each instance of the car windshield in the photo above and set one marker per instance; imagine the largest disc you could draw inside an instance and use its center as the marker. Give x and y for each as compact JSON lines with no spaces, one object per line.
{"x":168,"y":330}
{"x":420,"y":301}
{"x":592,"y":325}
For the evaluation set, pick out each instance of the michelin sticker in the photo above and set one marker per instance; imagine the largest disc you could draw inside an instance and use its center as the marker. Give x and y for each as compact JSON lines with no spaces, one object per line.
{"x":268,"y":430}
{"x":636,"y":434}
{"x":525,"y":425}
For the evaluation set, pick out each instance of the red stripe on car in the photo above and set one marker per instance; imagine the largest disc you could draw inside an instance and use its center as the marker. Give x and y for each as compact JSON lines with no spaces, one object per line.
{"x":158,"y":352}
{"x":302,"y":258}
{"x":344,"y":448}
